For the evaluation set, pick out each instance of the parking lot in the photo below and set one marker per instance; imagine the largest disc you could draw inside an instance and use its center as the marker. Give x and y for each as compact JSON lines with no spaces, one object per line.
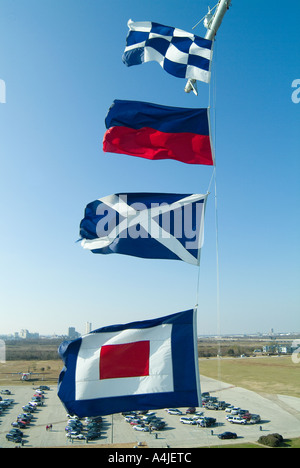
{"x":279,"y":414}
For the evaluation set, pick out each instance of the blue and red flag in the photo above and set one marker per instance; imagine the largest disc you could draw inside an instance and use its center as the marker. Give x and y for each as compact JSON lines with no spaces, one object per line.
{"x":143,"y":365}
{"x":153,"y":131}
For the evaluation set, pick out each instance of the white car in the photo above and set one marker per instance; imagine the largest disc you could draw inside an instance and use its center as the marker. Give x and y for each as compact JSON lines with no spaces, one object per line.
{"x":140,"y":427}
{"x":198,"y":415}
{"x":229,"y":408}
{"x":131,"y":418}
{"x":236,"y":420}
{"x":185,"y":420}
{"x":74,"y":435}
{"x":174,"y":411}
{"x":150,"y":414}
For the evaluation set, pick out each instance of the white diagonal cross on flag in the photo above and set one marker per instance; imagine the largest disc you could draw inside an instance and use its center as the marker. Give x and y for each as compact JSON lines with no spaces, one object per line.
{"x":140,"y":221}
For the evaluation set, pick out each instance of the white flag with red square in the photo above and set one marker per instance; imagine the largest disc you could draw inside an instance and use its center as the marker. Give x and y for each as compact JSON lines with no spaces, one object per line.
{"x":137,"y":366}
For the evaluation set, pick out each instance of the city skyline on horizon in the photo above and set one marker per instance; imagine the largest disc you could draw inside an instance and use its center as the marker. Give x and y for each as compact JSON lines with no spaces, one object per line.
{"x":270,"y":333}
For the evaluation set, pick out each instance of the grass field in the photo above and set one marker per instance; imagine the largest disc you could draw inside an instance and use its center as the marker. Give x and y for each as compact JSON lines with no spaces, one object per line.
{"x":42,"y":371}
{"x":287,"y":443}
{"x":274,"y":375}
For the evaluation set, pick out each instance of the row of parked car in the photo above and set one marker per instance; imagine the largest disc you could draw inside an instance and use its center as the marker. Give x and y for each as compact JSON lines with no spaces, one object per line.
{"x":89,"y":429}
{"x":144,"y":421}
{"x":24,"y":419}
{"x":196,"y":418}
{"x":5,"y":403}
{"x":235,"y":415}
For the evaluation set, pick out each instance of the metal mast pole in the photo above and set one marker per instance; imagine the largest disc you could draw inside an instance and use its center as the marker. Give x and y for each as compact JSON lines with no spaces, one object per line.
{"x":212,"y":25}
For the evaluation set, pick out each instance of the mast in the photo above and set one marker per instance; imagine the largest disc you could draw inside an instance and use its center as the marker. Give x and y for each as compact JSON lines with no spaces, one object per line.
{"x":212,"y":23}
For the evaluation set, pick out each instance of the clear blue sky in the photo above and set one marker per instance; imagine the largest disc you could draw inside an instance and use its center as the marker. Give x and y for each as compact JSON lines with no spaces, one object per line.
{"x":61,"y":63}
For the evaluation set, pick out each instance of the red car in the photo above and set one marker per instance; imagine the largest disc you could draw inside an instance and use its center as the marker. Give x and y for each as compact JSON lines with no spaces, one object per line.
{"x":22,"y":421}
{"x":134,"y":422}
{"x":191,"y":410}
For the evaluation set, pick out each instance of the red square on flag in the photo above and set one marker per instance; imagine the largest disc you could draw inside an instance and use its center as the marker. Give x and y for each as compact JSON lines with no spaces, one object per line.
{"x":124,"y":360}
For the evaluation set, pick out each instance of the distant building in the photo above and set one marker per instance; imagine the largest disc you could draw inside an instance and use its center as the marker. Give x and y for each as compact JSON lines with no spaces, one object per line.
{"x":278,"y":349}
{"x":88,"y":327}
{"x":72,"y":333}
{"x":26,"y":335}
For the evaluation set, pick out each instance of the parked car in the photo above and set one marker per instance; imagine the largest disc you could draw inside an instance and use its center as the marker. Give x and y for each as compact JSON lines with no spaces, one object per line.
{"x":28,"y":408}
{"x":211,"y":406}
{"x":72,"y":429}
{"x":5,"y":404}
{"x":93,"y":425}
{"x":19,"y":424}
{"x":130,"y":417}
{"x":97,"y":419}
{"x":198,"y":414}
{"x":34,"y":403}
{"x":23,"y":421}
{"x":157,"y":426}
{"x":255,"y":418}
{"x":16,"y":431}
{"x":222,"y":405}
{"x":236,"y":420}
{"x":246,"y":416}
{"x":75,"y":435}
{"x":227,"y":435}
{"x":141,"y":427}
{"x":229,"y":408}
{"x":148,"y":414}
{"x":8,"y":401}
{"x":92,"y":435}
{"x":75,"y":422}
{"x":25,"y":417}
{"x":185,"y":420}
{"x":174,"y":411}
{"x":37,"y":401}
{"x":207,"y":421}
{"x":135,"y":422}
{"x":191,"y":410}
{"x":150,"y":421}
{"x":14,"y":437}
{"x":42,"y":387}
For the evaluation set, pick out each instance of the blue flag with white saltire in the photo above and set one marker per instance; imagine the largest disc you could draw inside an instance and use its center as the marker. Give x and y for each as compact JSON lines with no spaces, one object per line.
{"x":178,"y":52}
{"x":143,"y":365}
{"x":146,"y":225}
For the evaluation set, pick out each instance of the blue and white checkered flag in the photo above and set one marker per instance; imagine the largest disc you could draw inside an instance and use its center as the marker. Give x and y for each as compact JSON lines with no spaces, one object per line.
{"x":178,"y":52}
